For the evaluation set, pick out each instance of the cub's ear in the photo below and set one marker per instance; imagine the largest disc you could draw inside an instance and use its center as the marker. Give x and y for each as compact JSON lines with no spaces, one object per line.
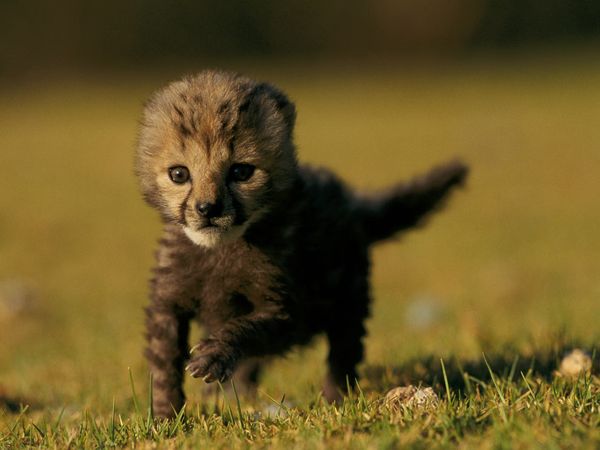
{"x":283,"y":104}
{"x":266,"y":100}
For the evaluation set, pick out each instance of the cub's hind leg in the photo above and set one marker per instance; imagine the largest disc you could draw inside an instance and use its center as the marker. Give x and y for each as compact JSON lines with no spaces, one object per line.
{"x":345,"y":334}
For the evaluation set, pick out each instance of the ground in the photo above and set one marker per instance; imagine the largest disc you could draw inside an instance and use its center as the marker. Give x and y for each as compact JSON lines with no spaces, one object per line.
{"x":480,"y":305}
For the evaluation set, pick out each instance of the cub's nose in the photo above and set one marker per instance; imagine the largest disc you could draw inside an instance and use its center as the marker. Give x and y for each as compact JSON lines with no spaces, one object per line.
{"x":209,"y":210}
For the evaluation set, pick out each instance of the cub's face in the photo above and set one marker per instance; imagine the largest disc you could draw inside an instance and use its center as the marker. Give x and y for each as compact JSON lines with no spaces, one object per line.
{"x":215,"y":154}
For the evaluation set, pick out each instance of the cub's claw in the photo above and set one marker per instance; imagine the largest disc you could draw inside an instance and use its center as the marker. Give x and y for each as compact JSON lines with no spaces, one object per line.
{"x":213,"y":362}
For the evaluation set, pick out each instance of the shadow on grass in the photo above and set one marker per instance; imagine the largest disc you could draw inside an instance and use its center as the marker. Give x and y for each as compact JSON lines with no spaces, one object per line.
{"x":13,"y":404}
{"x":509,"y":363}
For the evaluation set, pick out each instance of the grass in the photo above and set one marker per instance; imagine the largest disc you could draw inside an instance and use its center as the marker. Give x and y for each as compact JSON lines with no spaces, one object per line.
{"x":506,"y":414}
{"x":509,"y":271}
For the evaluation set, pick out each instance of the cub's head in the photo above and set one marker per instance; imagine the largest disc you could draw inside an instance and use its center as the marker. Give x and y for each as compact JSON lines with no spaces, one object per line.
{"x":215,"y":153}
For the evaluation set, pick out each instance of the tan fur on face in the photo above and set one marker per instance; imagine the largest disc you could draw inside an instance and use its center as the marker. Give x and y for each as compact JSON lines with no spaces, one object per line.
{"x":207,"y":123}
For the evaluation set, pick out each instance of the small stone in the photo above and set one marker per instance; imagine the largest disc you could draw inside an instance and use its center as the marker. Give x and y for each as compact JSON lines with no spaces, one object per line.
{"x":575,"y":363}
{"x":411,"y":397}
{"x":17,"y":297}
{"x":423,"y":312}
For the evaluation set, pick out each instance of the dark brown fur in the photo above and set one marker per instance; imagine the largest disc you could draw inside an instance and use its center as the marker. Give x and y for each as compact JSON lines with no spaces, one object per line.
{"x":299,"y":263}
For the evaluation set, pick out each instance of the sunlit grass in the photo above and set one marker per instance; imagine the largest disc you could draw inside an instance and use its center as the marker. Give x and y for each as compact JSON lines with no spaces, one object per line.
{"x":510,"y":269}
{"x":524,"y":411}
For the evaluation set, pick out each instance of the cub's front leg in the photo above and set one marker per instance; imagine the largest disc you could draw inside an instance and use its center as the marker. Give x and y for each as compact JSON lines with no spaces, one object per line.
{"x":260,"y":333}
{"x":167,"y":336}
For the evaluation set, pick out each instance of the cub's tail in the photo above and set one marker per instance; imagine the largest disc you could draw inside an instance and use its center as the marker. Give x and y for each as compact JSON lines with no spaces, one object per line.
{"x":408,"y":205}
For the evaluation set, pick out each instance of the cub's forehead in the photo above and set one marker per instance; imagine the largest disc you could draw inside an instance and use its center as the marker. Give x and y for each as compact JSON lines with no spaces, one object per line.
{"x":203,"y":106}
{"x":218,"y":112}
{"x":211,"y":92}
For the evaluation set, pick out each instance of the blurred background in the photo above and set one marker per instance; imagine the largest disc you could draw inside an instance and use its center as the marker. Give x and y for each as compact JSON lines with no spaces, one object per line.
{"x":68,"y":34}
{"x":384,"y":89}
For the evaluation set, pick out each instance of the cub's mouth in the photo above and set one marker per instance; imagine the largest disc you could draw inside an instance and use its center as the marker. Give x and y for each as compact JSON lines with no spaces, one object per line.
{"x":208,"y":225}
{"x":214,"y":231}
{"x":211,"y":235}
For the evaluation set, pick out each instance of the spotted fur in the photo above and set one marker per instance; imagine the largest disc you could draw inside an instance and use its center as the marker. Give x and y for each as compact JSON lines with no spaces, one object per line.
{"x":286,"y":259}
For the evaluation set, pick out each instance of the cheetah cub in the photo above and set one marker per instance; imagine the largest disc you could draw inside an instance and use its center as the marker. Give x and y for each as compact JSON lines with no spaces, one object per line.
{"x":263,"y":251}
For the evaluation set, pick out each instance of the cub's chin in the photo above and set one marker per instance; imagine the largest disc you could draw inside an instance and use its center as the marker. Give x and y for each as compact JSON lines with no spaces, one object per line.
{"x":214,"y":236}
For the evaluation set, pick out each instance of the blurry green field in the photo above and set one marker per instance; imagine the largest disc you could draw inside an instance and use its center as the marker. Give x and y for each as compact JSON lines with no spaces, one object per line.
{"x":511,"y":268}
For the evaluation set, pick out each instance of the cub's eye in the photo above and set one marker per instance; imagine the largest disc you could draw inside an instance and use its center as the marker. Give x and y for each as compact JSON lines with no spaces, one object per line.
{"x":241,"y":172}
{"x":179,"y":174}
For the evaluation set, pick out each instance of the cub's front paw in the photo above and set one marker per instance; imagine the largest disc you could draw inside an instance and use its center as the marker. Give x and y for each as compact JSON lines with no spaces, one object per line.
{"x":212,"y":361}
